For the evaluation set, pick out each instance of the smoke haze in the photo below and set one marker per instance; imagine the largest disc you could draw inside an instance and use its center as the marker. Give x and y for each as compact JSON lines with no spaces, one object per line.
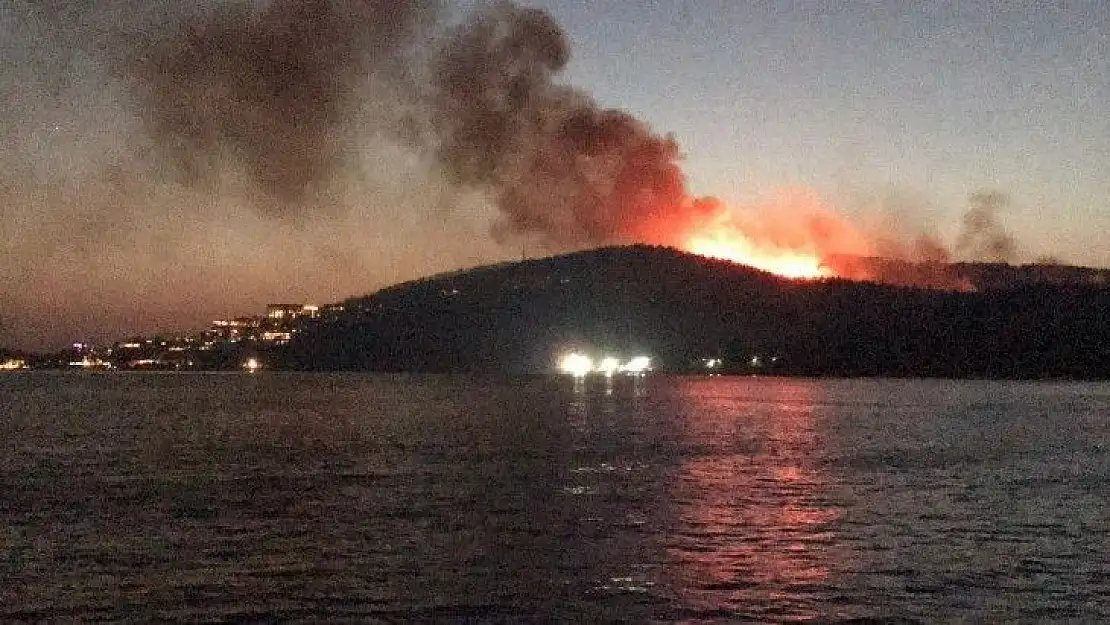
{"x":269,"y":88}
{"x":172,"y":163}
{"x":982,"y":236}
{"x":558,"y":165}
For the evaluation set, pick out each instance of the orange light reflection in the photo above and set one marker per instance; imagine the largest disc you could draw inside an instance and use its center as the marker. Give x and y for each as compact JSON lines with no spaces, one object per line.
{"x":754,"y":519}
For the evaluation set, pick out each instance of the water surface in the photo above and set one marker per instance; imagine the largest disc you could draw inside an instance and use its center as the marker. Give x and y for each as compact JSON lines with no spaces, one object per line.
{"x":187,"y":498}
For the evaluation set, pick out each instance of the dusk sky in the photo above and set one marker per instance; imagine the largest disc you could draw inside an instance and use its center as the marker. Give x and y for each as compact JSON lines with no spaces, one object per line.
{"x":119,"y":216}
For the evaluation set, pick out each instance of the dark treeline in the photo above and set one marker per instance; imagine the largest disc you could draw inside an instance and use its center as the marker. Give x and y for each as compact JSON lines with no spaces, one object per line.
{"x":683,"y":309}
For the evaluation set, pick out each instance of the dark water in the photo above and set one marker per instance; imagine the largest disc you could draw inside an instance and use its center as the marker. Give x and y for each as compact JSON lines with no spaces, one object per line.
{"x":187,"y":498}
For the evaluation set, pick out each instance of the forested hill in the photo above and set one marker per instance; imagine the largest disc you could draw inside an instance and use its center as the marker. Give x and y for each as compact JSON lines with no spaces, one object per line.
{"x":682,"y":309}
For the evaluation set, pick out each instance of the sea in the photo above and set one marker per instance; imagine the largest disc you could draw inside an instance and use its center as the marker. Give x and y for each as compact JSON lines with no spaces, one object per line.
{"x":354,"y":498}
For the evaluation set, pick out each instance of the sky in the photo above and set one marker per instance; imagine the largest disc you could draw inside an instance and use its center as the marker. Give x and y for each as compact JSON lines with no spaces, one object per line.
{"x":124,"y":211}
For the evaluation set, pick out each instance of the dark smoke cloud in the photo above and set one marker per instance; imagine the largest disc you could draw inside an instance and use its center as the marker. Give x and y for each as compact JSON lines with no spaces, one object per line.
{"x":982,"y":237}
{"x":558,"y":166}
{"x":269,"y":88}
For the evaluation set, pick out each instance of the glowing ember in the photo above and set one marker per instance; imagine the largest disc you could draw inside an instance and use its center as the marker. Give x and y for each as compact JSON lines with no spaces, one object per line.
{"x":739,"y":249}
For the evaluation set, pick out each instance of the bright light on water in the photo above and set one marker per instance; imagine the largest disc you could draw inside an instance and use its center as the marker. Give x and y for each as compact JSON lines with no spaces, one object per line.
{"x":576,"y":364}
{"x":609,"y":366}
{"x":639,"y":364}
{"x":581,"y":365}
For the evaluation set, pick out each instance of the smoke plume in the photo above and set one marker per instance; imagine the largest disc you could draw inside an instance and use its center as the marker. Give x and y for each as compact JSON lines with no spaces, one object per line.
{"x":269,"y":88}
{"x":272,"y":87}
{"x":558,"y":166}
{"x":982,"y":236}
{"x":925,"y":261}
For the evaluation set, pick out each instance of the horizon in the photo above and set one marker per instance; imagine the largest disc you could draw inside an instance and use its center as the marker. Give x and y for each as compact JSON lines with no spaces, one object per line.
{"x":180,"y":332}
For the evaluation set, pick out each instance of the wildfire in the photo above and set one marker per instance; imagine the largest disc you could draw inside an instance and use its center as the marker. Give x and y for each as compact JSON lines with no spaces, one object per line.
{"x":795,"y":235}
{"x":736,"y":247}
{"x":792,"y":235}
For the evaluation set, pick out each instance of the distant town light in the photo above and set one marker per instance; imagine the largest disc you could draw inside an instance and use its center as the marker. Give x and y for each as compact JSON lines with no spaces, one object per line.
{"x":277,"y":337}
{"x":13,"y":364}
{"x":252,"y":365}
{"x":639,"y":364}
{"x":291,"y":311}
{"x":88,"y":362}
{"x":581,"y":365}
{"x":576,"y":364}
{"x":609,"y":366}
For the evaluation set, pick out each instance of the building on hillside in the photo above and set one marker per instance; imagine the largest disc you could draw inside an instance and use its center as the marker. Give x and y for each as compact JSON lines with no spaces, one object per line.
{"x":291,"y":312}
{"x":13,"y":364}
{"x":238,"y":329}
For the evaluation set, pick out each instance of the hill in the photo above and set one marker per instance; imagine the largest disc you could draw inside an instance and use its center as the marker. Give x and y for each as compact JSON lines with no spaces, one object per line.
{"x":682,"y":309}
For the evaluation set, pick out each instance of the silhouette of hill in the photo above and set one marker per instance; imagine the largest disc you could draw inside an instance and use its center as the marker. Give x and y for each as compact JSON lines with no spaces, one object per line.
{"x":681,"y":309}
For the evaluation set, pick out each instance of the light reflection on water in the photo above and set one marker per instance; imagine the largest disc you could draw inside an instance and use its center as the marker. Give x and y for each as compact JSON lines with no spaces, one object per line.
{"x":424,"y":498}
{"x":753,"y":515}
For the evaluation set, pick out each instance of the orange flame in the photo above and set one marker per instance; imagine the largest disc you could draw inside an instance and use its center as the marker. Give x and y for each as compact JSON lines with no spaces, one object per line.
{"x":734,"y":246}
{"x":793,"y":236}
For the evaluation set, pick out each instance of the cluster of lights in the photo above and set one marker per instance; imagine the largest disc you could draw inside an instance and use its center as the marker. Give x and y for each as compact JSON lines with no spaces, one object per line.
{"x":90,"y":362}
{"x":13,"y":364}
{"x":580,"y":365}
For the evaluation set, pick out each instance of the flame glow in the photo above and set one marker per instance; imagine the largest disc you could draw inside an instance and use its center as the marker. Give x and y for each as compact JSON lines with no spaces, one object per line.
{"x":740,"y":249}
{"x":793,"y":235}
